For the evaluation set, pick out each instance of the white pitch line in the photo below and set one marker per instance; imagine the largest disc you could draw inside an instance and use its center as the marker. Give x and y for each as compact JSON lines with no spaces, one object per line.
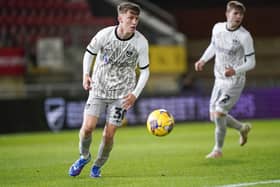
{"x":251,"y":183}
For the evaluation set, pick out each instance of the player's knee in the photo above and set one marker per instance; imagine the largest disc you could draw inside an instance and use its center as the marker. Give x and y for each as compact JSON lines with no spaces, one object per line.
{"x":108,"y":137}
{"x":108,"y":133}
{"x":215,"y":115}
{"x":86,"y":130}
{"x":218,"y":118}
{"x":218,"y":115}
{"x":89,"y":125}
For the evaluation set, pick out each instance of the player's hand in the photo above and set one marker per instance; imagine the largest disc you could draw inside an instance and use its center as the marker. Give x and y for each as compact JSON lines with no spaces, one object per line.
{"x":229,"y":72}
{"x":129,"y":101}
{"x":198,"y":66}
{"x":87,"y":82}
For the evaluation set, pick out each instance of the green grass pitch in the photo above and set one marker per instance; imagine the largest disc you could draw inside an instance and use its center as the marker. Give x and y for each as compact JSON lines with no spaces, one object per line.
{"x":142,"y":160}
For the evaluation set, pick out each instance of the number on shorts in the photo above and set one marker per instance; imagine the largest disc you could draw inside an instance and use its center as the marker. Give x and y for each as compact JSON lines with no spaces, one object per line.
{"x":226,"y":99}
{"x":119,"y":113}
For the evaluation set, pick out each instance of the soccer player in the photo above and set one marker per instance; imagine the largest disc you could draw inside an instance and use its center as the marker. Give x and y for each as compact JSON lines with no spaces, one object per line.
{"x":117,"y":51}
{"x":232,"y":46}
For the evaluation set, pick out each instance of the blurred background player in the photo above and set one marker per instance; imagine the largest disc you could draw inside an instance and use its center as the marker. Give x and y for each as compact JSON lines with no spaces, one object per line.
{"x":118,"y":51}
{"x":232,"y":46}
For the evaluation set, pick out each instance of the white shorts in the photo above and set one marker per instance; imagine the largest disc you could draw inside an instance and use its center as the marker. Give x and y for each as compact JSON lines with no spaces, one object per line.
{"x":113,"y":108}
{"x":224,"y":96}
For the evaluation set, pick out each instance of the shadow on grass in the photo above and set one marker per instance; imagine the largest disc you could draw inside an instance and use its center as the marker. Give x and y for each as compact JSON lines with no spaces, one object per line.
{"x":222,"y":162}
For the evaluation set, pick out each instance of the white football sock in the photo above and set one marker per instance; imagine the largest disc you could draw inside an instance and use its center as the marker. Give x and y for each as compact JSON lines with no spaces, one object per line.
{"x":233,"y":123}
{"x":84,"y":145}
{"x":103,"y":153}
{"x":220,"y":132}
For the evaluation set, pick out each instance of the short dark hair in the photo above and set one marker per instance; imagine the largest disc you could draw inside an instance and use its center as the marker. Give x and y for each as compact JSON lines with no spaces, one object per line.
{"x":125,"y":6}
{"x":236,"y":5}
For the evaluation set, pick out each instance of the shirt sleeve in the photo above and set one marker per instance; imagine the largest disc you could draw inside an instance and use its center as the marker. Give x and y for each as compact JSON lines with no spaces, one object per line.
{"x":249,"y":56}
{"x":210,"y":51}
{"x":144,"y":68}
{"x":91,"y":51}
{"x":143,"y":60}
{"x":87,"y":63}
{"x":143,"y":78}
{"x":96,"y":43}
{"x":248,"y":45}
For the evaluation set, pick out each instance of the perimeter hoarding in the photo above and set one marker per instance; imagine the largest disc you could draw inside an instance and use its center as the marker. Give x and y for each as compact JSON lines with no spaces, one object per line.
{"x":67,"y":113}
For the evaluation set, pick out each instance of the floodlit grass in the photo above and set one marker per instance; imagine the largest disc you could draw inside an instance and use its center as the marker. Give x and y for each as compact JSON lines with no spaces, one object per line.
{"x":142,"y":160}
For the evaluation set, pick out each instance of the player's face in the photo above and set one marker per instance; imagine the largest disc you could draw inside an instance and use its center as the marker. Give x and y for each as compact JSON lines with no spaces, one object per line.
{"x":129,"y":21}
{"x":234,"y":18}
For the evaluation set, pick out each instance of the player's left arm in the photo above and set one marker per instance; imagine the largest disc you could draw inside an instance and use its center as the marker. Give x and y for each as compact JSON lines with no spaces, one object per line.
{"x":249,"y":59}
{"x":130,"y":99}
{"x":143,"y":78}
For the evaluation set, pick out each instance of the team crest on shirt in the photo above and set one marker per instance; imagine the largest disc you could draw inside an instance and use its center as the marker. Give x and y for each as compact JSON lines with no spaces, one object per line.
{"x":106,"y":59}
{"x":129,"y":53}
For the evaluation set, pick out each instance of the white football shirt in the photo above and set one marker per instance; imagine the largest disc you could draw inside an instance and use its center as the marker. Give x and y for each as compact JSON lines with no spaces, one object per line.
{"x":231,"y":48}
{"x":114,"y":69}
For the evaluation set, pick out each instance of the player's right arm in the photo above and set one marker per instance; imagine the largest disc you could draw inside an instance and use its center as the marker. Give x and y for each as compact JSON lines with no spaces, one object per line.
{"x":88,"y":60}
{"x":207,"y":55}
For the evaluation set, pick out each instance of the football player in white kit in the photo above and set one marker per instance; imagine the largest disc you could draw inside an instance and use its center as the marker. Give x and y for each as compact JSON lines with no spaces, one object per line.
{"x":232,"y":46}
{"x":117,"y":51}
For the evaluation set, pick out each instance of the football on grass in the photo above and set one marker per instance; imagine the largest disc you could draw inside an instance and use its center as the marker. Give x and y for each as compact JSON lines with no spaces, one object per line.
{"x":160,"y":122}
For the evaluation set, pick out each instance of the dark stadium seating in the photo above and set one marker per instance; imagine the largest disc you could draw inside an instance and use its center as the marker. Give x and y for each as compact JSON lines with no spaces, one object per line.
{"x":46,"y":17}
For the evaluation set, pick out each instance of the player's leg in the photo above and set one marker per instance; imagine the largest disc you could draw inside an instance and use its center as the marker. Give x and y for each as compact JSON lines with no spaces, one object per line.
{"x":85,"y":135}
{"x":244,"y":131}
{"x":114,"y":119}
{"x":222,"y":103}
{"x":104,"y":150}
{"x":219,"y":122}
{"x":91,"y":114}
{"x":84,"y":144}
{"x":220,"y":132}
{"x":233,"y":123}
{"x":243,"y":128}
{"x":234,"y":92}
{"x":223,"y":98}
